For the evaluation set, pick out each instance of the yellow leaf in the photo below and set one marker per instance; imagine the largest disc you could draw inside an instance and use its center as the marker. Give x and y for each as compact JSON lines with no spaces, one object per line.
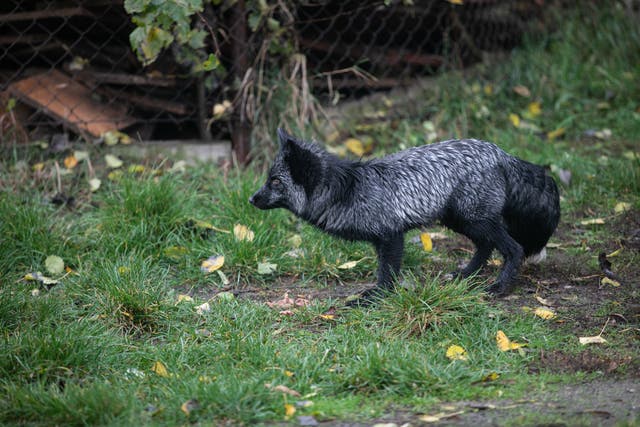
{"x":355,"y":146}
{"x":455,"y":352}
{"x":608,"y":281}
{"x":242,"y":232}
{"x":175,"y":252}
{"x":289,"y":410}
{"x":455,"y":1}
{"x":427,"y":245}
{"x":555,"y":133}
{"x":614,"y":253}
{"x":592,"y":221}
{"x":212,"y":263}
{"x":515,"y":119}
{"x":488,"y":89}
{"x":159,"y":368}
{"x":221,"y":109}
{"x":289,"y":373}
{"x":38,"y":166}
{"x":348,"y":265}
{"x":70,"y":162}
{"x":123,"y":270}
{"x":544,"y":313}
{"x":203,"y":308}
{"x":94,"y":184}
{"x":522,"y":91}
{"x":295,"y":240}
{"x":327,"y":316}
{"x":189,"y":405}
{"x":114,"y":175}
{"x":592,"y":340}
{"x":534,"y":109}
{"x":113,"y":162}
{"x":492,"y":376}
{"x":183,"y":297}
{"x":622,"y":207}
{"x":136,"y":169}
{"x":505,"y":344}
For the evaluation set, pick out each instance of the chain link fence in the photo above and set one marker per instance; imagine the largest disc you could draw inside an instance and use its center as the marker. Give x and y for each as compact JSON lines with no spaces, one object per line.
{"x":69,"y":66}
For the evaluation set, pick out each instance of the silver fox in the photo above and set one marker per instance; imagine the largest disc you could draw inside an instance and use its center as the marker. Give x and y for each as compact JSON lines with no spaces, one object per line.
{"x":472,"y":187}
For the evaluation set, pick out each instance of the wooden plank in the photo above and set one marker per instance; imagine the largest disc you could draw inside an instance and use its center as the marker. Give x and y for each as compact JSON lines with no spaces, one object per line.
{"x":43,"y":14}
{"x":70,"y":102}
{"x":127,"y":79}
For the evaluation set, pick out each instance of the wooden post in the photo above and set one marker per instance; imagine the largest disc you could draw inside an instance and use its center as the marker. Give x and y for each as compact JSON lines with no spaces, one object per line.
{"x":240,"y":130}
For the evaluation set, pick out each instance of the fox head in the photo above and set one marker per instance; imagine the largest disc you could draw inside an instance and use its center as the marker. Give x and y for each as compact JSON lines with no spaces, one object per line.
{"x":296,"y":172}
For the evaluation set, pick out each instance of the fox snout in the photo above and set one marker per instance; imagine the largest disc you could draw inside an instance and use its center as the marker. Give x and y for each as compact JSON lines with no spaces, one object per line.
{"x":260,"y":200}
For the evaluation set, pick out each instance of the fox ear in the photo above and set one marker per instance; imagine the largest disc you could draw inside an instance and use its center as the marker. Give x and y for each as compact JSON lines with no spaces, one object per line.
{"x":283,"y":136}
{"x":304,"y":165}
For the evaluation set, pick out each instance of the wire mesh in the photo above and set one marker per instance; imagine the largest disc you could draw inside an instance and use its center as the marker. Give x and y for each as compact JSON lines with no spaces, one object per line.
{"x":70,"y":65}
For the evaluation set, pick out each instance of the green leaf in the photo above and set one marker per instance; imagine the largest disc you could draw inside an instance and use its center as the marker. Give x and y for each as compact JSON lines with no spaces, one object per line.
{"x":211,"y":63}
{"x":54,"y":264}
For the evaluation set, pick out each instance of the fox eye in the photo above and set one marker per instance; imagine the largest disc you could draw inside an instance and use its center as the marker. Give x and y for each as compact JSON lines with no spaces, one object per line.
{"x":275,"y":182}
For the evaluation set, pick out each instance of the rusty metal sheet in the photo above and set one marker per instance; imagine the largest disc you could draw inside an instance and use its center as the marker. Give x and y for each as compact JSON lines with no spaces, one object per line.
{"x":69,"y":101}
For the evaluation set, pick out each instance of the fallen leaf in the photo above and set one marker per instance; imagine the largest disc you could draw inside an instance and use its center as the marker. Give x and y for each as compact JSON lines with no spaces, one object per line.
{"x":427,"y":244}
{"x":534,"y":109}
{"x":54,"y":264}
{"x":38,"y":166}
{"x":136,"y":169}
{"x":491,"y":376}
{"x":225,"y":296}
{"x":456,"y":1}
{"x":242,"y":232}
{"x":295,"y":240}
{"x":544,"y":313}
{"x":81,"y":155}
{"x":94,"y":184}
{"x":614,"y":253}
{"x":515,"y":119}
{"x":287,"y":302}
{"x":221,"y":109}
{"x":348,"y":265}
{"x":355,"y":146}
{"x":203,"y":308}
{"x":289,"y":410}
{"x":35,"y":292}
{"x":38,"y":277}
{"x":266,"y":268}
{"x":189,"y":406}
{"x":505,"y":344}
{"x":212,"y":263}
{"x":556,"y":133}
{"x":592,"y":340}
{"x":592,"y":221}
{"x":283,"y":389}
{"x":161,"y":370}
{"x":622,"y":207}
{"x":70,"y":162}
{"x":608,"y":281}
{"x":455,"y":352}
{"x":175,"y":252}
{"x":112,"y":161}
{"x":522,"y":91}
{"x":183,"y":297}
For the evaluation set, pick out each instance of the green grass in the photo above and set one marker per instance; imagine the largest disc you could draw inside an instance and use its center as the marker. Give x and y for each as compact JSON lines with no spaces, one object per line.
{"x":81,"y":352}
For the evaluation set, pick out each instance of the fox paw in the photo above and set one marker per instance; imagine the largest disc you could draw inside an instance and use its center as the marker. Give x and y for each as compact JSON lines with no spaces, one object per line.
{"x":367,"y":298}
{"x":499,"y":290}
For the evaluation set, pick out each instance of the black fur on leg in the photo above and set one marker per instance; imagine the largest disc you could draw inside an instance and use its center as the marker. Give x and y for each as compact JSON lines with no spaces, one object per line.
{"x":513,"y":255}
{"x":390,"y":251}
